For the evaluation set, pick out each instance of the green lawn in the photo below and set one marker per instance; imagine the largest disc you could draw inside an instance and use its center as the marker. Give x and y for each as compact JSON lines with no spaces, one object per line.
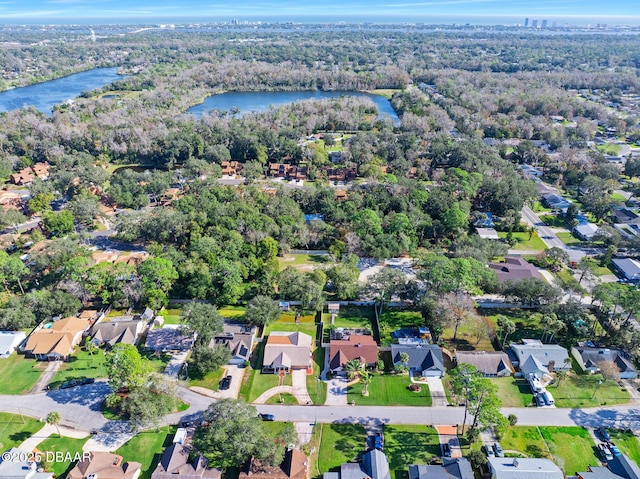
{"x":627,"y":443}
{"x":524,"y":243}
{"x":56,"y":444}
{"x":146,"y":448}
{"x":572,"y":448}
{"x":304,"y":262}
{"x":553,"y":221}
{"x":389,"y":390}
{"x":540,"y":208}
{"x":18,"y":374}
{"x":392,"y":319}
{"x":526,"y":439}
{"x":602,"y":271}
{"x":405,"y":445}
{"x":158,"y":360}
{"x":352,"y":317}
{"x":232,"y":311}
{"x":339,"y":443}
{"x":584,"y":391}
{"x":568,"y":239}
{"x":317,"y":389}
{"x":81,"y":365}
{"x":210,"y":381}
{"x":255,"y":383}
{"x":284,"y":398}
{"x":171,"y":316}
{"x":527,"y":324}
{"x":617,"y":197}
{"x":513,"y":392}
{"x":467,"y":340}
{"x":15,"y":429}
{"x":287,"y":323}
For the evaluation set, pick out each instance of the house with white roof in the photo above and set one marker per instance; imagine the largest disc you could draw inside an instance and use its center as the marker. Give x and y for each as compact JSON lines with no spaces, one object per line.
{"x":9,"y":341}
{"x":532,"y":356}
{"x":523,"y":468}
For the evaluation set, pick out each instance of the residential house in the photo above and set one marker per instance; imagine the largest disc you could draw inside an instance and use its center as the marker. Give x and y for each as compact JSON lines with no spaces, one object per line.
{"x":294,"y":466}
{"x":534,"y":357}
{"x":41,"y":170}
{"x":624,"y":467}
{"x":109,"y":333}
{"x":597,"y":472}
{"x":515,"y":269}
{"x":239,"y":338}
{"x":523,"y":468}
{"x":342,"y":195}
{"x":22,"y":177}
{"x":374,"y":465}
{"x":625,"y":216}
{"x":56,"y":340}
{"x":288,"y":172}
{"x":490,"y":364}
{"x":169,"y":338}
{"x":104,"y":465}
{"x":340,"y":175}
{"x":175,"y":464}
{"x":487,"y":233}
{"x":13,"y":199}
{"x":589,"y":358}
{"x":231,"y":168}
{"x":424,"y":359}
{"x":556,"y":202}
{"x":451,"y":468}
{"x":286,"y":351}
{"x":14,"y":465}
{"x":585,"y":231}
{"x":629,"y":268}
{"x":9,"y":342}
{"x":352,"y":346}
{"x":335,"y":156}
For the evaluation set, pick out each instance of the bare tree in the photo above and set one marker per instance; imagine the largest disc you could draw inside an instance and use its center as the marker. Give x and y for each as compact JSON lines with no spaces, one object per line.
{"x":457,"y":308}
{"x":609,"y":370}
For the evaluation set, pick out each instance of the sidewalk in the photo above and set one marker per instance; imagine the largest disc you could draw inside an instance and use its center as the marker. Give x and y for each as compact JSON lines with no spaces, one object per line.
{"x":46,"y":431}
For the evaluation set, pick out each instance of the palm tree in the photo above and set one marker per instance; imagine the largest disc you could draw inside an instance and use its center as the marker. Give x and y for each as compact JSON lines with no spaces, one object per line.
{"x":365,"y":377}
{"x":53,"y":418}
{"x":353,"y":368}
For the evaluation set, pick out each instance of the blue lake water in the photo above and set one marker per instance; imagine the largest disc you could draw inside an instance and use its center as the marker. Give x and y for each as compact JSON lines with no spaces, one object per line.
{"x":260,"y":101}
{"x":44,"y":96}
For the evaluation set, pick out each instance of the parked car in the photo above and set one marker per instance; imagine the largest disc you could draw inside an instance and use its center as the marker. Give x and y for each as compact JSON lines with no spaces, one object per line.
{"x":87,"y":381}
{"x":267,"y":417}
{"x":539,"y":400}
{"x":605,"y":452}
{"x":488,"y":450}
{"x":225,"y":383}
{"x":69,"y":384}
{"x":377,"y":441}
{"x":446,"y":450}
{"x":604,"y":434}
{"x":614,"y":449}
{"x":498,"y":449}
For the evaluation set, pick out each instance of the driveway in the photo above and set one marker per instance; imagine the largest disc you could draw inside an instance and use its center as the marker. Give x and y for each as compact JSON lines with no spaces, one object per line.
{"x":448,"y":435}
{"x":236,"y":373}
{"x":337,"y":392}
{"x":174,"y":366}
{"x":46,"y":377}
{"x":436,"y":388}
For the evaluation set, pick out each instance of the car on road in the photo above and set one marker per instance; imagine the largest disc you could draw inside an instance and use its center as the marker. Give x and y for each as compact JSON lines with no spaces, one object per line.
{"x":267,"y":417}
{"x":225,"y":383}
{"x":488,"y":450}
{"x":604,"y":434}
{"x":446,"y":450}
{"x":498,"y":449}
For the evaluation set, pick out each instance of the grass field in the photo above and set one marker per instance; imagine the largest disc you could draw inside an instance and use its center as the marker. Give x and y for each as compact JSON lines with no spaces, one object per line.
{"x":56,"y":444}
{"x":209,"y":381}
{"x":513,"y":392}
{"x":392,"y":319}
{"x":284,"y":398}
{"x":389,"y":390}
{"x":526,"y":439}
{"x":146,"y":448}
{"x":352,"y":317}
{"x":171,"y":316}
{"x":317,"y":389}
{"x":18,"y":374}
{"x":339,"y":443}
{"x":467,"y":340}
{"x":572,"y":448}
{"x":302,"y":262}
{"x":568,"y":239}
{"x":14,"y":429}
{"x":553,"y":221}
{"x":234,"y":312}
{"x":527,"y":324}
{"x":81,"y":365}
{"x":412,"y":444}
{"x":584,"y":391}
{"x":287,"y":323}
{"x":524,"y":243}
{"x":540,"y":208}
{"x":158,"y":361}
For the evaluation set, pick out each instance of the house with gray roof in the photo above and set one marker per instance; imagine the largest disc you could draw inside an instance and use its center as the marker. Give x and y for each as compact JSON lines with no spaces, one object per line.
{"x":451,"y":468}
{"x":629,"y":268}
{"x":532,"y":356}
{"x":597,"y":472}
{"x":14,"y":465}
{"x":515,"y":269}
{"x":523,"y":468}
{"x":110,"y":333}
{"x":239,"y":338}
{"x":489,"y":363}
{"x":374,"y":465}
{"x":175,"y":464}
{"x":424,"y":359}
{"x":624,"y":467}
{"x":169,"y":338}
{"x":585,"y":231}
{"x":9,"y":342}
{"x":589,"y":358}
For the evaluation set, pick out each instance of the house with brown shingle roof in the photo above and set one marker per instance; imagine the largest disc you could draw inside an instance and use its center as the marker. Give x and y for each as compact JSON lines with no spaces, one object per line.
{"x":352,"y":346}
{"x":22,"y":177}
{"x":56,"y":341}
{"x":294,"y":466}
{"x":104,"y":465}
{"x":41,"y":170}
{"x":489,"y":363}
{"x":285,"y":351}
{"x":175,"y":464}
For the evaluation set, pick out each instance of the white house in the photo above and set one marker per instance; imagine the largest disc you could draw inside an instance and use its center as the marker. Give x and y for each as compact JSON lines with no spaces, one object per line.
{"x":9,"y":341}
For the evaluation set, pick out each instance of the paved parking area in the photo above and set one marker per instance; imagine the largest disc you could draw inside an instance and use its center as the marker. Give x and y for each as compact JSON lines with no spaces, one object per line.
{"x":448,"y":435}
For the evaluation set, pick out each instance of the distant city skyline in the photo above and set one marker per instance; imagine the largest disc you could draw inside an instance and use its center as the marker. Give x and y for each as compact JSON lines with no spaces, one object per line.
{"x":483,"y":11}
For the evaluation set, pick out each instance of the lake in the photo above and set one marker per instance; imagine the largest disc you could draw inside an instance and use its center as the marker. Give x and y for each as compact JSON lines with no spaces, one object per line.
{"x":252,"y":101}
{"x":44,"y":96}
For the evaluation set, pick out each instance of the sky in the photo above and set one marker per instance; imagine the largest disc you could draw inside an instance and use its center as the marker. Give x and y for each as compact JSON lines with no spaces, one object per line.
{"x":175,"y":11}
